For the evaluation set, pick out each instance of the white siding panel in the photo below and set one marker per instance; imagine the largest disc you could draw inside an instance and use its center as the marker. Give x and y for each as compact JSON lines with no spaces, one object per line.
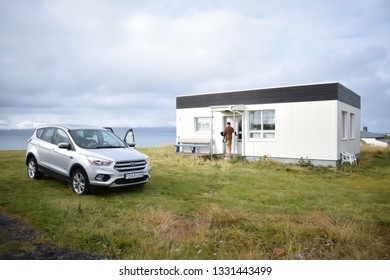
{"x":185,"y":122}
{"x":303,"y":130}
{"x":350,"y":144}
{"x":185,"y":125}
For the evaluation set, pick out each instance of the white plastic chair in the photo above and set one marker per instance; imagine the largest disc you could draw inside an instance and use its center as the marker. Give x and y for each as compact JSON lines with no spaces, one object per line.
{"x":347,"y":157}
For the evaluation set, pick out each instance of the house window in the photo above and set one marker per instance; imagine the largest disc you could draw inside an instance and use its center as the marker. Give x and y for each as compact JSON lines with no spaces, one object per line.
{"x":344,"y":124}
{"x":203,"y":124}
{"x":352,"y":125}
{"x":262,"y":124}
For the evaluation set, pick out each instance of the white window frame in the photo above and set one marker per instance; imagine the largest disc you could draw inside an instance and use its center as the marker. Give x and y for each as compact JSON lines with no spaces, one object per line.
{"x":352,"y":125}
{"x":261,"y":133}
{"x":204,"y":126}
{"x":344,"y":125}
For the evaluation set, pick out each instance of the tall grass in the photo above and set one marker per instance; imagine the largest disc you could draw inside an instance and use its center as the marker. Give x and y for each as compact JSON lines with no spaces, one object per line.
{"x":214,"y":209}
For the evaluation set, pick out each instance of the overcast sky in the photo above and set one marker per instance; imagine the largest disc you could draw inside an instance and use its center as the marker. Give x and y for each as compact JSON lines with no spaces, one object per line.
{"x":124,"y":62}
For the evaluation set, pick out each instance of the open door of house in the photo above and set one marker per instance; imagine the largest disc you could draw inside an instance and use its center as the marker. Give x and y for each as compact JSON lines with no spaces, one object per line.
{"x":130,"y":138}
{"x":236,"y":123}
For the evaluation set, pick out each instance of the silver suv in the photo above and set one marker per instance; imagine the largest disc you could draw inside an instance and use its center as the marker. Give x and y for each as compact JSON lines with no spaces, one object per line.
{"x":85,"y":156}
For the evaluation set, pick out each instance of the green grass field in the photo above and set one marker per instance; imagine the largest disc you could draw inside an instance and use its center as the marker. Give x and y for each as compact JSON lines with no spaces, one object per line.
{"x":202,"y":209}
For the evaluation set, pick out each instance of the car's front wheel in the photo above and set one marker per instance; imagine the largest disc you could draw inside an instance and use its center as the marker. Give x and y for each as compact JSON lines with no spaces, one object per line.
{"x":80,"y":182}
{"x":32,"y":169}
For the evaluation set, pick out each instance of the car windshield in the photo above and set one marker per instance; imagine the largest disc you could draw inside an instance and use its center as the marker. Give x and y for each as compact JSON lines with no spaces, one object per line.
{"x":96,"y":139}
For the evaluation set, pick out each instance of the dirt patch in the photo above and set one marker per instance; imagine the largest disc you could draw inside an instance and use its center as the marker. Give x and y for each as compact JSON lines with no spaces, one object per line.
{"x":17,"y":242}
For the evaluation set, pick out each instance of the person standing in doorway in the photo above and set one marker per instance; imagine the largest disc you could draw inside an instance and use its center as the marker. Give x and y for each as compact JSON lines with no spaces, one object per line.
{"x":228,"y":133}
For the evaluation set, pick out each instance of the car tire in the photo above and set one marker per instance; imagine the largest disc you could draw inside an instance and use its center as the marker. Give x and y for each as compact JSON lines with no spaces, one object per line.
{"x":32,"y":169}
{"x":79,"y":182}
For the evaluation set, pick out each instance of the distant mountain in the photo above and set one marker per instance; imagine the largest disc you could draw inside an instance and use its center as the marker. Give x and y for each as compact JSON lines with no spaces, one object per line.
{"x":30,"y":124}
{"x":161,"y":129}
{"x":5,"y":123}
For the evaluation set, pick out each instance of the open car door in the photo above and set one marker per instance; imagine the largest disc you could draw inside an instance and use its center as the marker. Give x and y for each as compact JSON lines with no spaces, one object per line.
{"x":130,"y":138}
{"x":109,"y":128}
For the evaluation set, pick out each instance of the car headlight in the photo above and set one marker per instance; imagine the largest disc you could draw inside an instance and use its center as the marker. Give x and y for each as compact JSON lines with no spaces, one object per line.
{"x":98,"y":161}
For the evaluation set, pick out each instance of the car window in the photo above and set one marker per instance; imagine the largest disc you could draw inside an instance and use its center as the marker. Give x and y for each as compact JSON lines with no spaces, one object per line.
{"x":61,"y":137}
{"x":96,"y":139}
{"x":47,"y":134}
{"x":39,"y":132}
{"x":110,"y":139}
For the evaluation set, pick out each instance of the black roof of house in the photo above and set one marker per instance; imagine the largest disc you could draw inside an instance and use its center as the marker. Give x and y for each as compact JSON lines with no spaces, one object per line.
{"x":301,"y":93}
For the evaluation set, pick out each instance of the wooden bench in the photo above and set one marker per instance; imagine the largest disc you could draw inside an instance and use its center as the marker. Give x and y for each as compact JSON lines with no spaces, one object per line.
{"x":193,"y":143}
{"x":348,"y":157}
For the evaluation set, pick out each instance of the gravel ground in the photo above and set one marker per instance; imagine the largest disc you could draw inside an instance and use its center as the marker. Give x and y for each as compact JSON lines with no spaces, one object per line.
{"x":17,"y":242}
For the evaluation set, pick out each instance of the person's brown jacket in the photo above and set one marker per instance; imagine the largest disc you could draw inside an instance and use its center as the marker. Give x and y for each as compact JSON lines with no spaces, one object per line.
{"x":228,"y":132}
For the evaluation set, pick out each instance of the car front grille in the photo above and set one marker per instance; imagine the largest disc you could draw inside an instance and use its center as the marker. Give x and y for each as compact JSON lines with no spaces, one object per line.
{"x":130,"y":166}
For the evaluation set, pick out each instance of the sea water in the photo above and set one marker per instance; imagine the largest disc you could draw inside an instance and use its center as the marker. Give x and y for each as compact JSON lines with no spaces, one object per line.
{"x":16,"y":139}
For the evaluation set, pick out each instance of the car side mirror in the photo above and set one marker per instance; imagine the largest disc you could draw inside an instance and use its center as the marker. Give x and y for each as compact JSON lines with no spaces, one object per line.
{"x":64,"y":145}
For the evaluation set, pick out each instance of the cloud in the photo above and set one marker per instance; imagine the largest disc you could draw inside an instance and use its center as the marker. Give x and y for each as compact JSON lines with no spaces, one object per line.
{"x":126,"y":61}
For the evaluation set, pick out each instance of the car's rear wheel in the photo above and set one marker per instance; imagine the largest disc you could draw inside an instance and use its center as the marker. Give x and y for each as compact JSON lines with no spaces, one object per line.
{"x":32,"y":169}
{"x":80,"y":182}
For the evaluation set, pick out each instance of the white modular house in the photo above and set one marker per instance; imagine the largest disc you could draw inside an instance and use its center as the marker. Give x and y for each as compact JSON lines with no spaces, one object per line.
{"x":375,"y":139}
{"x":313,"y":123}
